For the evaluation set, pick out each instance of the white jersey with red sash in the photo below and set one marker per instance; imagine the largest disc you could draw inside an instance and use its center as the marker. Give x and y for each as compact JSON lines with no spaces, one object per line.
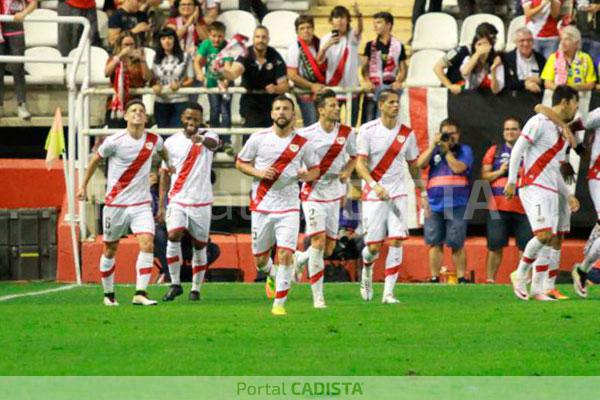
{"x":386,"y":150}
{"x":342,"y":60}
{"x":332,"y":152}
{"x":541,"y":160}
{"x":190,"y":184}
{"x":287,"y":155}
{"x":129,"y":162}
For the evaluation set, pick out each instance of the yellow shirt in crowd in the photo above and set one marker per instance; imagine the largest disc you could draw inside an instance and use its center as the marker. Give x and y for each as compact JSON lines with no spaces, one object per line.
{"x":580,"y":71}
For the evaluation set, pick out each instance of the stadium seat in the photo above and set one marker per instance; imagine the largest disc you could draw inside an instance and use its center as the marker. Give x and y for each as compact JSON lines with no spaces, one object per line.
{"x":237,"y":21}
{"x":99,"y":4}
{"x":99,"y":57}
{"x":229,"y":5}
{"x":516,"y":23}
{"x":149,"y":54}
{"x":450,"y":6}
{"x":281,"y":26}
{"x":471,"y":23}
{"x":290,"y":5}
{"x":41,"y":33}
{"x":435,"y":31}
{"x":44,"y":74}
{"x":49,"y":4}
{"x":420,"y":71}
{"x":102,"y":26}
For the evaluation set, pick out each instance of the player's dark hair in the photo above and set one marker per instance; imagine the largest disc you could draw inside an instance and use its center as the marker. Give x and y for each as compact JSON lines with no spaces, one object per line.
{"x":283,"y":97}
{"x":193,"y":106}
{"x":133,"y":102}
{"x":386,"y":16}
{"x":385,"y":95}
{"x":564,"y":92}
{"x":449,"y":122}
{"x":322,"y":97}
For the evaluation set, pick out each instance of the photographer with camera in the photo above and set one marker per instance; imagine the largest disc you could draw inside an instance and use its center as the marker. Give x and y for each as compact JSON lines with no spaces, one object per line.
{"x":448,"y":191}
{"x":505,"y":215}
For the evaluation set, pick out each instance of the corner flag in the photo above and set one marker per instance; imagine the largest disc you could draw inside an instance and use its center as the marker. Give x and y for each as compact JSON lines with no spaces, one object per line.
{"x":55,"y":142}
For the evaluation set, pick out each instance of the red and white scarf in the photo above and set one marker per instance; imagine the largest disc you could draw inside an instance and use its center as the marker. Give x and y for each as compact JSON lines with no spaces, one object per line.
{"x":121,"y":89}
{"x":377,"y":74}
{"x":189,"y":40}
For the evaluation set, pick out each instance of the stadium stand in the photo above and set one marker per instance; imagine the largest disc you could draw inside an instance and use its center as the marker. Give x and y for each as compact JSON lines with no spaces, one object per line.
{"x":44,"y":74}
{"x":516,"y":23}
{"x":41,"y":33}
{"x":99,"y":57}
{"x":237,"y":21}
{"x":470,"y":23}
{"x":435,"y":31}
{"x":420,"y":71}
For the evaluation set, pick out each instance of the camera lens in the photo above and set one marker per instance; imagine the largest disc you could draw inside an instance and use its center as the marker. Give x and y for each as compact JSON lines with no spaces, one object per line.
{"x":445,"y":137}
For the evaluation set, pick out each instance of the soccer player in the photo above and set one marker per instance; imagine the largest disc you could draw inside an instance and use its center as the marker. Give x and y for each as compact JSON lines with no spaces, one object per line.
{"x":128,"y":200}
{"x":592,"y":247}
{"x":274,"y":158}
{"x":541,"y":146}
{"x":190,"y":197}
{"x":335,"y":148}
{"x":383,"y":146}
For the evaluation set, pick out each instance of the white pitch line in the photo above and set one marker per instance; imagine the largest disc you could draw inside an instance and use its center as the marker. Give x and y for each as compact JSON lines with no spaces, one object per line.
{"x":39,"y":293}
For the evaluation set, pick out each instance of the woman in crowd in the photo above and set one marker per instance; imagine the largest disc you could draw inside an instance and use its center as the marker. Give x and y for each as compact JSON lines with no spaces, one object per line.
{"x":483,"y":69}
{"x":127,"y":70}
{"x":188,"y":22}
{"x":171,"y":71}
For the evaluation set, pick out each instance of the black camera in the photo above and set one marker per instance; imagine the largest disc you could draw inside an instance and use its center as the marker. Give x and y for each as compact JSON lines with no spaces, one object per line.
{"x":445,"y":137}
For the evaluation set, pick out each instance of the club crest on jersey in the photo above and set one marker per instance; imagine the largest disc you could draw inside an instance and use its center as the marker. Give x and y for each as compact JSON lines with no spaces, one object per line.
{"x":341,"y":140}
{"x":149,"y":145}
{"x":401,"y":138}
{"x":294,"y":147}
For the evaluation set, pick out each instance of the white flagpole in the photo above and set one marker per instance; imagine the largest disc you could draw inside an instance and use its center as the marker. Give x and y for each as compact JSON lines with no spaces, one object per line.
{"x":71,"y":218}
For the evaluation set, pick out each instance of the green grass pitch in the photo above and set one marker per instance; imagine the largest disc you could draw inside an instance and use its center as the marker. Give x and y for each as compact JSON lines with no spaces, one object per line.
{"x":436,"y":330}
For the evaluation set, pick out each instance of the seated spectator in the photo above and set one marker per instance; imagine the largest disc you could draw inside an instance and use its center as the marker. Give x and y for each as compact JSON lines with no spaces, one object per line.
{"x":12,"y":42}
{"x":127,"y":69}
{"x":130,"y":18}
{"x":189,"y":24}
{"x":523,"y":65}
{"x":542,"y":21}
{"x":383,"y":64}
{"x":170,"y":72}
{"x":220,"y":104}
{"x":339,"y":49}
{"x":452,"y":61}
{"x":569,"y":65}
{"x":506,"y":216}
{"x":262,"y":68}
{"x":448,"y":191}
{"x":303,"y":68}
{"x":588,"y":13}
{"x":483,"y":69}
{"x":69,"y":34}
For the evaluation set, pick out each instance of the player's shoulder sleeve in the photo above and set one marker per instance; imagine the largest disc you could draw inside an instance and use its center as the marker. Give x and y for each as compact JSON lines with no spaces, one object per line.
{"x":160,"y":143}
{"x":363,"y":144}
{"x":412,"y":149}
{"x":108,"y":147}
{"x":593,"y":119}
{"x":309,"y":155}
{"x":548,"y":71}
{"x":248,"y":153}
{"x":351,"y":143}
{"x":488,"y":158}
{"x":211,"y":135}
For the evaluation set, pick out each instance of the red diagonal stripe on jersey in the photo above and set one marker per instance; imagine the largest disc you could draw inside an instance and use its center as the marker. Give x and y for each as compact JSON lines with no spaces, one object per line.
{"x":538,"y":166}
{"x":106,"y":274}
{"x":316,"y":277}
{"x":330,"y":156}
{"x":186,"y":168}
{"x":280,"y":164}
{"x":391,"y":153}
{"x":131,"y":171}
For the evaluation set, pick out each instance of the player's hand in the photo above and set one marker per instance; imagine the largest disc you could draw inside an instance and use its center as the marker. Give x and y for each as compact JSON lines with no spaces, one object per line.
{"x":567,"y":172}
{"x":198,"y":137}
{"x":573,"y":203}
{"x":568,"y":134}
{"x":303,"y":175}
{"x":381,"y":192}
{"x":81,"y":193}
{"x":157,"y":88}
{"x":268,"y":174}
{"x":160,"y":215}
{"x":455,"y":88}
{"x":509,"y":191}
{"x":345,"y":176}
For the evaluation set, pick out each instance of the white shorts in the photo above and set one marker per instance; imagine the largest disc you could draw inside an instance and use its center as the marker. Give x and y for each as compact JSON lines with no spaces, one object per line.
{"x":117,"y":220}
{"x":541,"y":207}
{"x":271,"y":228}
{"x":564,"y":215}
{"x":322,"y":217}
{"x":383,"y":219}
{"x":196,"y":220}
{"x":594,"y":186}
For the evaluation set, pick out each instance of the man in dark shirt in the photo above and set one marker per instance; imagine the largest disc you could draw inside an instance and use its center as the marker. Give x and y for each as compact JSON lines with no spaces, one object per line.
{"x":452,"y":78}
{"x":262,"y":68}
{"x":523,"y":65}
{"x":128,"y":18}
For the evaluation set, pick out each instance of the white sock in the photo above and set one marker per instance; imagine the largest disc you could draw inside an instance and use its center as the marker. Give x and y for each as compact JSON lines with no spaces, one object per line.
{"x":174,"y":261}
{"x":368,"y":257}
{"x":303,"y":256}
{"x":107,"y":272}
{"x":282,"y":283}
{"x":592,"y":255}
{"x":540,"y":270}
{"x":392,"y":266}
{"x":529,"y":255}
{"x":143,"y":268}
{"x":269,"y":268}
{"x":199,"y":267}
{"x":552,"y":270}
{"x":316,"y":269}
